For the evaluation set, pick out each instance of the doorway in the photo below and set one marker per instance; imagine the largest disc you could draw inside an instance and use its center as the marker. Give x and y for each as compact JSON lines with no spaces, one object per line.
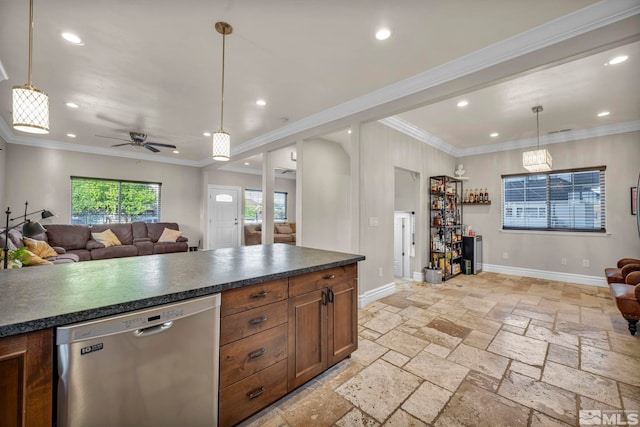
{"x":224,"y":216}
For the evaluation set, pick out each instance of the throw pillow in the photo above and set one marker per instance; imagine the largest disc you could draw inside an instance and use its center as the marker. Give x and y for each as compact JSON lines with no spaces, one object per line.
{"x":39,"y":248}
{"x":169,"y":235}
{"x":107,"y":238}
{"x":33,"y":259}
{"x":283,"y":229}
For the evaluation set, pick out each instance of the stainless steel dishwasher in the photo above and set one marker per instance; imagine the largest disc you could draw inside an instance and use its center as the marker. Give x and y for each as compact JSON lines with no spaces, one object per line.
{"x":153,"y":367}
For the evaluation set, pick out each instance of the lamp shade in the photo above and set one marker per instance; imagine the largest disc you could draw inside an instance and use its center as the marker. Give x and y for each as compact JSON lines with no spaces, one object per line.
{"x":46,"y":214}
{"x":32,"y":228}
{"x":30,"y":110}
{"x":221,"y":146}
{"x":537,"y":160}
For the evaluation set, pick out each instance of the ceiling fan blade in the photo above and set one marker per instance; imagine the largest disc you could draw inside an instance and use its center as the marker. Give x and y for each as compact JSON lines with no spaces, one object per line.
{"x":111,"y":137}
{"x":161,"y":145}
{"x":120,"y":145}
{"x":149,"y":147}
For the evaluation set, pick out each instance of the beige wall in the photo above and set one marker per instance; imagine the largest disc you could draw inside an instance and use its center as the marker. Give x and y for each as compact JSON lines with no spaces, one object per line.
{"x":42,"y":177}
{"x":544,"y":251}
{"x":3,"y":171}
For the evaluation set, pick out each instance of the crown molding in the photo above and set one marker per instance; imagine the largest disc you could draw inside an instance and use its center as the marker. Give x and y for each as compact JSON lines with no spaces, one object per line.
{"x":415,"y":132}
{"x":3,"y":73}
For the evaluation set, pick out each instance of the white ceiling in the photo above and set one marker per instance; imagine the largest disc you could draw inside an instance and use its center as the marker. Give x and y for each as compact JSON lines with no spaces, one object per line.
{"x":154,"y":66}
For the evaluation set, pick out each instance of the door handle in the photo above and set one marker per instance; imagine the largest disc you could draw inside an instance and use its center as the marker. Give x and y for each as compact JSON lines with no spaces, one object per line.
{"x":331,"y":295}
{"x":152,"y":330}
{"x":324,"y":298}
{"x":329,"y":277}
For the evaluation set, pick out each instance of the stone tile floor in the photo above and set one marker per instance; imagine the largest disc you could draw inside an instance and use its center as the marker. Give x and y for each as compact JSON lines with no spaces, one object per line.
{"x":485,"y":350}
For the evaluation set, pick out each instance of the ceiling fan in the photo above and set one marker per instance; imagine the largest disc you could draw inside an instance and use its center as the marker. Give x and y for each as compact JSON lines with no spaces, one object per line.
{"x":139,"y":139}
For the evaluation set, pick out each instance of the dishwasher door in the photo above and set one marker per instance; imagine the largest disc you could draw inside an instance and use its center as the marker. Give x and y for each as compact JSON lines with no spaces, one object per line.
{"x":153,"y":367}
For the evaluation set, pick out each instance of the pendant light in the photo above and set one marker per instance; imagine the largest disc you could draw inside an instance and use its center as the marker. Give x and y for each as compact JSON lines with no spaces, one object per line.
{"x":537,"y":160}
{"x":221,"y":139}
{"x":30,"y":105}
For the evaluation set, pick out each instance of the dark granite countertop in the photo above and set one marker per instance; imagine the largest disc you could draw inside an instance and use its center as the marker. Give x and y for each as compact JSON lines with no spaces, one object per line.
{"x":35,"y":298}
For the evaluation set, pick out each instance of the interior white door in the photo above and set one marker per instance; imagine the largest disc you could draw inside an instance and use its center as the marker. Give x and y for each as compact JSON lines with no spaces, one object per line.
{"x":398,"y":237}
{"x":224,"y":217}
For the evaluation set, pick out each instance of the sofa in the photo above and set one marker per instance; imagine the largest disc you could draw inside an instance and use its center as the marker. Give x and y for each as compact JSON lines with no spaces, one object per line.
{"x":73,"y":243}
{"x":282,"y":233}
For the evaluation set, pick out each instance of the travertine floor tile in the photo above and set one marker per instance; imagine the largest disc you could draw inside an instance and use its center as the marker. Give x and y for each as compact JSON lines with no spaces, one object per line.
{"x":439,"y":371}
{"x":321,"y":408}
{"x":524,"y":369}
{"x":555,"y":337}
{"x":479,"y":360}
{"x":395,"y":358}
{"x":583,"y":383}
{"x":383,"y":321}
{"x":449,"y":328}
{"x":427,"y":401}
{"x":403,"y":343}
{"x":538,"y":419}
{"x":438,"y":350}
{"x":551,"y":400}
{"x":526,"y":350}
{"x":379,"y":389}
{"x":470,"y":407}
{"x":563,"y":355}
{"x":478,"y":339}
{"x":354,"y":418}
{"x":368,"y":352}
{"x":402,"y":419}
{"x":621,"y":367}
{"x":437,"y":337}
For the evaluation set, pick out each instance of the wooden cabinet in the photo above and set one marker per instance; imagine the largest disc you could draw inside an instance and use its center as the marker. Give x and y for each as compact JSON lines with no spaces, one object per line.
{"x":26,"y":379}
{"x":278,"y":335}
{"x":253,"y":349}
{"x":322,"y":321}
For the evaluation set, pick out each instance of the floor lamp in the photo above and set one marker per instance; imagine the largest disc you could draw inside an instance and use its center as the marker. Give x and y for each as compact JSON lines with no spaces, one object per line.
{"x":29,"y":228}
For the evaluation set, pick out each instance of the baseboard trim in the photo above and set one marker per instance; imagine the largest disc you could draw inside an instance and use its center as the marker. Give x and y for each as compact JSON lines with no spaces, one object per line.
{"x":375,"y":294}
{"x":580,"y":279}
{"x":418,"y":276}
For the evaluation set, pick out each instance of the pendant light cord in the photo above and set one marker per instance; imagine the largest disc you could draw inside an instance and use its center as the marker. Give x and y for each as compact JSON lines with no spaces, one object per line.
{"x":30,"y":38}
{"x":538,"y":127}
{"x":222,"y":94}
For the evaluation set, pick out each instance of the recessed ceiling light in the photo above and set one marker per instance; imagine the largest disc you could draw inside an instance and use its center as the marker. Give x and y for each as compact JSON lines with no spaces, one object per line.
{"x":617,"y":60}
{"x":176,"y":152}
{"x":207,"y":134}
{"x":72,"y":105}
{"x":493,"y":135}
{"x":71,"y":135}
{"x":246,"y":163}
{"x":603,"y":114}
{"x":383,"y":33}
{"x":349,"y":131}
{"x":261,"y":102}
{"x":463,"y":103}
{"x":72,"y":38}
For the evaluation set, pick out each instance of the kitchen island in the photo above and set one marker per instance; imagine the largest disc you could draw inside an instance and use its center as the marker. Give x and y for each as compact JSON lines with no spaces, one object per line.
{"x":304,"y":282}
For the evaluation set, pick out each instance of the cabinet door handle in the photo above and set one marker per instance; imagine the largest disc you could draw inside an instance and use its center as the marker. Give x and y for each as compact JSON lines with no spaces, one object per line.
{"x":257,"y":321}
{"x":257,"y":353}
{"x":255,"y":393}
{"x":331,"y":295}
{"x":330,"y":277}
{"x":324,"y":298}
{"x":259,"y":295}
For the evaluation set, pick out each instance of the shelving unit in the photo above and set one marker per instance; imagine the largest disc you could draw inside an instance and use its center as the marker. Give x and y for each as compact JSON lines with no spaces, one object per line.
{"x":445,"y":219}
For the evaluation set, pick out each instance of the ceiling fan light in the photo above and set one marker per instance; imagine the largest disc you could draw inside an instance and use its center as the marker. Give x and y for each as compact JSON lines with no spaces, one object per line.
{"x":30,"y":109}
{"x":537,"y":160}
{"x":221,"y":146}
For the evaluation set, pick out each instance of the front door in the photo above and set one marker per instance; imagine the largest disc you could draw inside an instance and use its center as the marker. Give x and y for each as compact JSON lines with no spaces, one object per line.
{"x":224,"y":217}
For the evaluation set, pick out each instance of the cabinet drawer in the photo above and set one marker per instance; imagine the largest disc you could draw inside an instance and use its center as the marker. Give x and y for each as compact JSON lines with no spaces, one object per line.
{"x":246,"y":323}
{"x":308,"y":282}
{"x":243,"y":358}
{"x":240,"y":299}
{"x":250,"y":395}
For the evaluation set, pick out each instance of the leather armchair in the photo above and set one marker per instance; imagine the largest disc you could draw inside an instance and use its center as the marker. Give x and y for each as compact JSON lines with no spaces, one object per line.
{"x":616,"y":275}
{"x":627,"y":296}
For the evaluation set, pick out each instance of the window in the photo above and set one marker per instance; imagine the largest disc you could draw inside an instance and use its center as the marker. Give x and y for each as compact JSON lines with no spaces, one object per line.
{"x":104,"y":201}
{"x":569,"y":200}
{"x":253,"y":206}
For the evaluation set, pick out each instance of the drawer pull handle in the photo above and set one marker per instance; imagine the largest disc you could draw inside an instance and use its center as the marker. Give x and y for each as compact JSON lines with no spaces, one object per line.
{"x":331,"y":295}
{"x":259,"y":295}
{"x":257,"y":321}
{"x":255,"y":393}
{"x":257,"y":353}
{"x":324,"y":298}
{"x":330,"y":277}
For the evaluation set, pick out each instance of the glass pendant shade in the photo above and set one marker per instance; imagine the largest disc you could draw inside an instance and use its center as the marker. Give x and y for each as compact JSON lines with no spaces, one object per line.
{"x":221,"y":146}
{"x":536,"y":160}
{"x":30,"y":110}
